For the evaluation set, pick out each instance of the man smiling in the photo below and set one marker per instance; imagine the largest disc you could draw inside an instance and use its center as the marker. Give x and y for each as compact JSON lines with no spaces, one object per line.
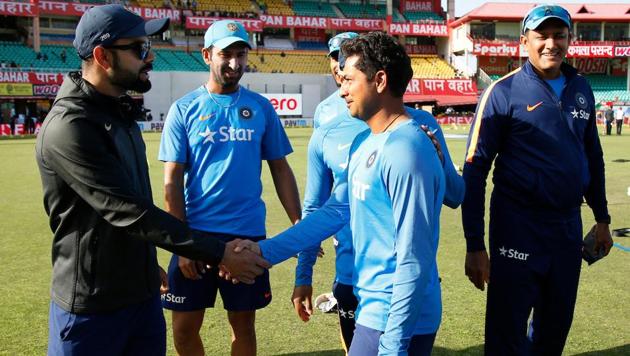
{"x":213,"y":142}
{"x":539,"y":122}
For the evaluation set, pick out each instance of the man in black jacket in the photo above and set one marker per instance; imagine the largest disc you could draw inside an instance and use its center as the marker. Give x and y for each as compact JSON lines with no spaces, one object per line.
{"x":91,"y":156}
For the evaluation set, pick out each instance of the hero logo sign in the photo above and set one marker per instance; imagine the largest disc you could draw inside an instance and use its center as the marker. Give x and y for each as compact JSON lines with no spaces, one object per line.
{"x":286,"y":104}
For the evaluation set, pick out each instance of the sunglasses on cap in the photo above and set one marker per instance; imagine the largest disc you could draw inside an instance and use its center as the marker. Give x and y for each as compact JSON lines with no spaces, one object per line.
{"x":536,"y":16}
{"x":141,"y":49}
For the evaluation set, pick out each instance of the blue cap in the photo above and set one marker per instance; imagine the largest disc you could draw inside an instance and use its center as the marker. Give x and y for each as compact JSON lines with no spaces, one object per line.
{"x":103,"y":25}
{"x":334,"y":45}
{"x":223,"y":33}
{"x":541,"y":13}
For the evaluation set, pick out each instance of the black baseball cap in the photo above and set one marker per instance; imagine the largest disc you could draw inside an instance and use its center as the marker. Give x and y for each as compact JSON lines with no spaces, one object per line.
{"x":103,"y":25}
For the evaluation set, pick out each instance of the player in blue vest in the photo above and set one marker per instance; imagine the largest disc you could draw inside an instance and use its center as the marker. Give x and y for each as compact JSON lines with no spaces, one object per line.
{"x":333,"y":105}
{"x":539,"y":123}
{"x":213,"y":142}
{"x":394,"y":186}
{"x":327,"y":162}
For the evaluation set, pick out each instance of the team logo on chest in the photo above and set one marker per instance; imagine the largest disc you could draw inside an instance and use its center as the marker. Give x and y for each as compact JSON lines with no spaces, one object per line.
{"x":371,"y":159}
{"x":580,"y":100}
{"x":245,"y":113}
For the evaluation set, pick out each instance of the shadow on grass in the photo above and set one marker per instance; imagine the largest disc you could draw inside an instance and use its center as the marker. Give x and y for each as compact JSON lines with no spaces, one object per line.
{"x":338,"y":352}
{"x":619,"y":350}
{"x":437,"y":351}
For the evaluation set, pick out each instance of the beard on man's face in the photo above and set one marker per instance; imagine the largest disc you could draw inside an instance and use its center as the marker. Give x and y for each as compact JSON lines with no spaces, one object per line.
{"x":225,"y":80}
{"x":127,"y":79}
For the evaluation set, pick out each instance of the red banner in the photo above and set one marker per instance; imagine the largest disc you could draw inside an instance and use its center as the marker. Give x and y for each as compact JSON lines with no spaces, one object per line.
{"x":310,"y":34}
{"x":202,"y":23}
{"x":45,"y":90}
{"x":622,"y":51}
{"x":596,"y":51}
{"x":619,"y":67}
{"x":325,"y":23}
{"x":12,"y":8}
{"x":416,"y":6}
{"x":457,"y":120}
{"x":60,"y":8}
{"x":31,"y":77}
{"x":496,"y":49}
{"x":442,"y":87}
{"x":591,"y":65}
{"x":418,"y":29}
{"x":497,"y":65}
{"x":421,"y":49}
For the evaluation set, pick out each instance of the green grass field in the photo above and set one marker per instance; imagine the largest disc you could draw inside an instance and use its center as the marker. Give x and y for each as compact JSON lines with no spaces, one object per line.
{"x":602,"y":317}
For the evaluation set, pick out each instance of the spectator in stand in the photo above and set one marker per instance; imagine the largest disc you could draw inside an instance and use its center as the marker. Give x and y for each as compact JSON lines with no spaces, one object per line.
{"x":12,"y":122}
{"x":63,"y":56}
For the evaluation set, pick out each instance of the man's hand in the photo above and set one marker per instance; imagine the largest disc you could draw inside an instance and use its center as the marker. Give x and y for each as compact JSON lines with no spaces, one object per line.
{"x":302,"y":299}
{"x":477,"y":268}
{"x":242,"y":262}
{"x":163,"y":280}
{"x":603,"y":239}
{"x":190,"y":269}
{"x":435,"y":141}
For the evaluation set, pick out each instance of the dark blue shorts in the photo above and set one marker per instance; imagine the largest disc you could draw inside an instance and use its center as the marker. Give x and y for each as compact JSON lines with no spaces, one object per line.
{"x":347,"y":305}
{"x":188,"y":295}
{"x":366,"y":341}
{"x":135,"y":330}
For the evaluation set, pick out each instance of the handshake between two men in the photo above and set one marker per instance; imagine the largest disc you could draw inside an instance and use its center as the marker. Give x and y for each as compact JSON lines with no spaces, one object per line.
{"x":242,"y":262}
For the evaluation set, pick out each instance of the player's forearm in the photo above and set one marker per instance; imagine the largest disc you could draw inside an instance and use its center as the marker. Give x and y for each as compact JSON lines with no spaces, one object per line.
{"x":286,"y":188}
{"x":174,"y":202}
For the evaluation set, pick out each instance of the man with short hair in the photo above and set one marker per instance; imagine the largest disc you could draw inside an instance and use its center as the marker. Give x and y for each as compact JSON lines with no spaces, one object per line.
{"x":392,"y":193}
{"x":327,"y":161}
{"x":213,"y":144}
{"x":609,"y":117}
{"x":106,"y":280}
{"x":333,"y":105}
{"x":539,"y":122}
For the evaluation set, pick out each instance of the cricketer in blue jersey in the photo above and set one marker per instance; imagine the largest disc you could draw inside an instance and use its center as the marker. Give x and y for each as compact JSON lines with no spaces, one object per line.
{"x":391,"y":193}
{"x":213,"y":142}
{"x":334,"y":104}
{"x":327,"y":162}
{"x":539,"y":124}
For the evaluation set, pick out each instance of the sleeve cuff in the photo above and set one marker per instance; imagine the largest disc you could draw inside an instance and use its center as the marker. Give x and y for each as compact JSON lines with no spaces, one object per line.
{"x":474,"y":244}
{"x":603,"y":219}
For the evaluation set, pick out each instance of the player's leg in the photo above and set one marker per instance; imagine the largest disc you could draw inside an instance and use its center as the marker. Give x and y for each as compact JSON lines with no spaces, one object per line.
{"x":149,"y":331}
{"x":421,"y":345}
{"x":514,"y":284}
{"x":347,"y":305}
{"x":241,"y":301}
{"x":553,"y":314}
{"x":188,"y":299}
{"x":243,"y":326}
{"x":365,"y":341}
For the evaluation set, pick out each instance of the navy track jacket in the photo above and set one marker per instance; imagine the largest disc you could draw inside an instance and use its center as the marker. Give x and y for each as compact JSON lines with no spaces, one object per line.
{"x":548,"y":154}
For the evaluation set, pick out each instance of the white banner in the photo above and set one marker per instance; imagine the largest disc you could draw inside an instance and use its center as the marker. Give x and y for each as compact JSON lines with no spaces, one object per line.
{"x":285,"y":104}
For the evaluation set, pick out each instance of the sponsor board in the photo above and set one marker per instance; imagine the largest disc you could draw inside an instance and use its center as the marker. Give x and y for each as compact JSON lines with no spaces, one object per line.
{"x":16,"y":89}
{"x":285,"y":104}
{"x":442,"y":87}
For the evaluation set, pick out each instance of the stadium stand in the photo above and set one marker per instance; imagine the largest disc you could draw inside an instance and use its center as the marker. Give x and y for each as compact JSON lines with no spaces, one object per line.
{"x":153,"y":3}
{"x":314,"y":8}
{"x":276,"y":7}
{"x":422,"y":16}
{"x":310,"y":45}
{"x":431,"y":67}
{"x":605,"y":82}
{"x":365,"y":11}
{"x":292,"y":62}
{"x":238,"y":6}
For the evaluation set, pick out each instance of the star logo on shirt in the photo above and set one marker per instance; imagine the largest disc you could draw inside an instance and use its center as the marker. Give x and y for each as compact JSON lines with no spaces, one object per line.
{"x":209,"y":135}
{"x":502,"y":251}
{"x":574,"y":113}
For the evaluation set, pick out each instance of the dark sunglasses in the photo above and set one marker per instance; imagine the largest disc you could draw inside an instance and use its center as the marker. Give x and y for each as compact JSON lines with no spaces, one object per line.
{"x":141,"y":49}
